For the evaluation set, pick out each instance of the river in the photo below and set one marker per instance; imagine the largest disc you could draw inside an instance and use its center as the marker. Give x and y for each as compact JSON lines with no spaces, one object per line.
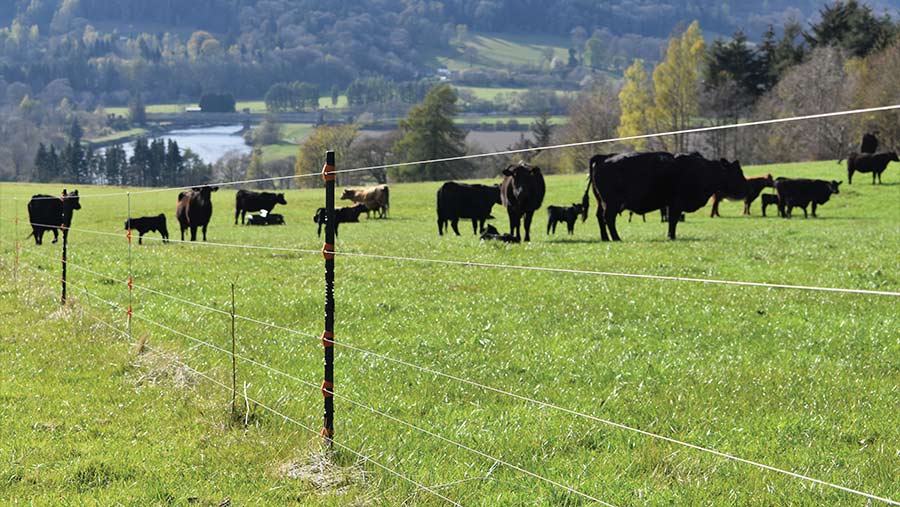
{"x":210,"y":143}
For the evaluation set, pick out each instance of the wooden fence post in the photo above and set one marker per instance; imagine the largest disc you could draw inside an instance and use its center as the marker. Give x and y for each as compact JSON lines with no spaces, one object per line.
{"x":328,"y":334}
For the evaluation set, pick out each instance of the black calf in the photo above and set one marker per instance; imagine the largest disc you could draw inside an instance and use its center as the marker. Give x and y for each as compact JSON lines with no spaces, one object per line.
{"x":149,"y":224}
{"x":491,"y":233}
{"x":556,"y":214}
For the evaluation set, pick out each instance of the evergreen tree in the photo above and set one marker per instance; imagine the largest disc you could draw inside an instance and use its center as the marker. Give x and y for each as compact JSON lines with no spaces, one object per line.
{"x":41,"y":164}
{"x":735,"y":60}
{"x":542,"y":129}
{"x":140,"y":163}
{"x":851,"y":26}
{"x":137,"y":113}
{"x":73,"y":158}
{"x":114,"y":165}
{"x":174,"y":166}
{"x":636,"y":101}
{"x":429,"y":133}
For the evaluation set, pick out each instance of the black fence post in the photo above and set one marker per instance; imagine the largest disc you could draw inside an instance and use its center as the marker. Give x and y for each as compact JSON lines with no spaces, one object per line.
{"x":328,"y":334}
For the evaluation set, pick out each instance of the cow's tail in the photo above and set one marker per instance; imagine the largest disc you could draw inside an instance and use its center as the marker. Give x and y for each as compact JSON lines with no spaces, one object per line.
{"x":585,"y":200}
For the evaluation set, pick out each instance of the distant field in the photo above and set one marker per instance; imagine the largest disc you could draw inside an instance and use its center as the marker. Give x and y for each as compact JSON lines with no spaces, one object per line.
{"x":118,"y":135}
{"x":524,"y":120}
{"x":805,"y":381}
{"x":506,"y":51}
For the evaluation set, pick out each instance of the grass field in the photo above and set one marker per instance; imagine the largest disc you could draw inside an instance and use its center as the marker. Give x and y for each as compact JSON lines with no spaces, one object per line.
{"x":505,"y":51}
{"x":805,"y":381}
{"x":255,"y":106}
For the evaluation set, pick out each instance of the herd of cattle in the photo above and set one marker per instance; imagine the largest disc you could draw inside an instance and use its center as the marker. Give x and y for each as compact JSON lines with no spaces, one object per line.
{"x":638,"y":182}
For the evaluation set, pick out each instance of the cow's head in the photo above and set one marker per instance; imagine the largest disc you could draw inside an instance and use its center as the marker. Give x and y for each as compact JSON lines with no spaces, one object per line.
{"x":735,"y":182}
{"x":71,"y":200}
{"x":893,"y":156}
{"x":833,"y":186}
{"x":280,"y":199}
{"x":348,"y":194}
{"x":770,"y":182}
{"x":205,"y":191}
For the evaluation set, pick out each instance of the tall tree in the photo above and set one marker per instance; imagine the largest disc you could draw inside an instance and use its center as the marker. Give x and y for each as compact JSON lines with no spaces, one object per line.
{"x":429,"y":133}
{"x":852,"y":27}
{"x":311,"y":156}
{"x":636,"y":101}
{"x":542,"y":129}
{"x":676,"y":86}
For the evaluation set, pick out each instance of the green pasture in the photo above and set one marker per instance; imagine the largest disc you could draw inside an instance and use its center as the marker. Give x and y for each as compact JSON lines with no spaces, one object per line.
{"x":800,"y":380}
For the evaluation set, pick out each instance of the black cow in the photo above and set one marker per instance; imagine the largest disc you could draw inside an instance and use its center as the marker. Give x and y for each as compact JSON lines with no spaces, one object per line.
{"x":869,"y":143}
{"x":492,"y":234}
{"x":342,"y":215}
{"x":643,"y":182}
{"x":267,"y":219}
{"x":522,"y":193}
{"x":869,"y":163}
{"x":148,"y":224}
{"x":49,"y":213}
{"x":569,"y":215}
{"x":194,"y":210}
{"x":461,"y":200}
{"x":245,"y":200}
{"x":767,"y":200}
{"x":801,"y":192}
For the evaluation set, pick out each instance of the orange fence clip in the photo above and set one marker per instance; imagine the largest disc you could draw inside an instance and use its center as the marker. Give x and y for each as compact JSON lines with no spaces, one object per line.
{"x":328,"y":251}
{"x":328,"y":173}
{"x":130,"y":285}
{"x":327,"y":433}
{"x":128,"y":236}
{"x":327,"y":339}
{"x":327,"y":389}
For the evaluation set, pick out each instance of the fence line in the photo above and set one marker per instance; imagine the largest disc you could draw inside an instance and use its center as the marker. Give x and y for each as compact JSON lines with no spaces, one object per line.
{"x":696,"y":130}
{"x":371,"y":409}
{"x":621,"y":275}
{"x":289,"y":419}
{"x":178,"y":241}
{"x":612,"y":274}
{"x":503,"y":392}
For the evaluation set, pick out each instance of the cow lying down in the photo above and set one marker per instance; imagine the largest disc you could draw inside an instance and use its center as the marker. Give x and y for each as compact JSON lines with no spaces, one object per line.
{"x":491,"y":233}
{"x":264,"y":218}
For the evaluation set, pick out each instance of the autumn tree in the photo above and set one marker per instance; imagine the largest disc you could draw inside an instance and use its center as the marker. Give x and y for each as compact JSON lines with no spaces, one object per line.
{"x":311,"y":156}
{"x":676,"y":86}
{"x":593,"y":116}
{"x":636,"y":102}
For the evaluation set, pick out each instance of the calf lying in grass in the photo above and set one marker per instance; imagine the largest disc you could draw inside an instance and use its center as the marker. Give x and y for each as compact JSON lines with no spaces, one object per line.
{"x":492,"y":234}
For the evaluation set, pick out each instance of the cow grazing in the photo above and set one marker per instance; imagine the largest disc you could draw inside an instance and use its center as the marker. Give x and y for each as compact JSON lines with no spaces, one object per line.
{"x":266,"y":219}
{"x":148,"y":224}
{"x":342,"y":215}
{"x":194,"y":210}
{"x":569,"y":215}
{"x":522,"y":193}
{"x":460,"y":200}
{"x":49,"y":213}
{"x":800,"y":193}
{"x":767,"y":200}
{"x":749,"y":194}
{"x":643,"y":182}
{"x":492,"y":234}
{"x":377,"y":198}
{"x":869,"y":163}
{"x":245,"y":200}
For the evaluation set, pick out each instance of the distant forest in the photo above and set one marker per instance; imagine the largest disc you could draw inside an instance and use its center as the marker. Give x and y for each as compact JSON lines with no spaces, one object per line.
{"x":173,"y":50}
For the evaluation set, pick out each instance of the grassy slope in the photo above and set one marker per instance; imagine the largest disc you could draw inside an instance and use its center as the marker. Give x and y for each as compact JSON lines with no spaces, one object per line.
{"x":805,"y":381}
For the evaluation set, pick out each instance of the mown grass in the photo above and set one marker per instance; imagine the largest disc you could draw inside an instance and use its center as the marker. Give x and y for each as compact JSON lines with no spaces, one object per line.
{"x":800,"y":380}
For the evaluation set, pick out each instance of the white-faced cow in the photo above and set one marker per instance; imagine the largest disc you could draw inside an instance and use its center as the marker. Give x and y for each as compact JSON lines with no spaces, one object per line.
{"x":245,"y":200}
{"x":647,"y":181}
{"x":194,"y":210}
{"x":522,"y":193}
{"x":49,"y":213}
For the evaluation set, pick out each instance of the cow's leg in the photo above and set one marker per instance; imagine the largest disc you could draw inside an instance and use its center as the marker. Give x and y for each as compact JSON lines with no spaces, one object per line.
{"x":193,"y":233}
{"x":571,"y":225}
{"x":55,"y":236}
{"x":814,"y":210}
{"x":805,"y":214}
{"x":474,"y":226}
{"x":440,"y":227}
{"x":602,"y":224}
{"x":38,"y":236}
{"x":140,"y":238}
{"x":849,"y":176}
{"x":715,"y":208}
{"x":674,"y":213}
{"x":549,"y":221}
{"x":528,"y":216}
{"x":747,"y":206}
{"x":182,"y":232}
{"x":609,"y":217}
{"x":236,"y":213}
{"x":455,"y":224}
{"x":204,"y":232}
{"x":873,"y":177}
